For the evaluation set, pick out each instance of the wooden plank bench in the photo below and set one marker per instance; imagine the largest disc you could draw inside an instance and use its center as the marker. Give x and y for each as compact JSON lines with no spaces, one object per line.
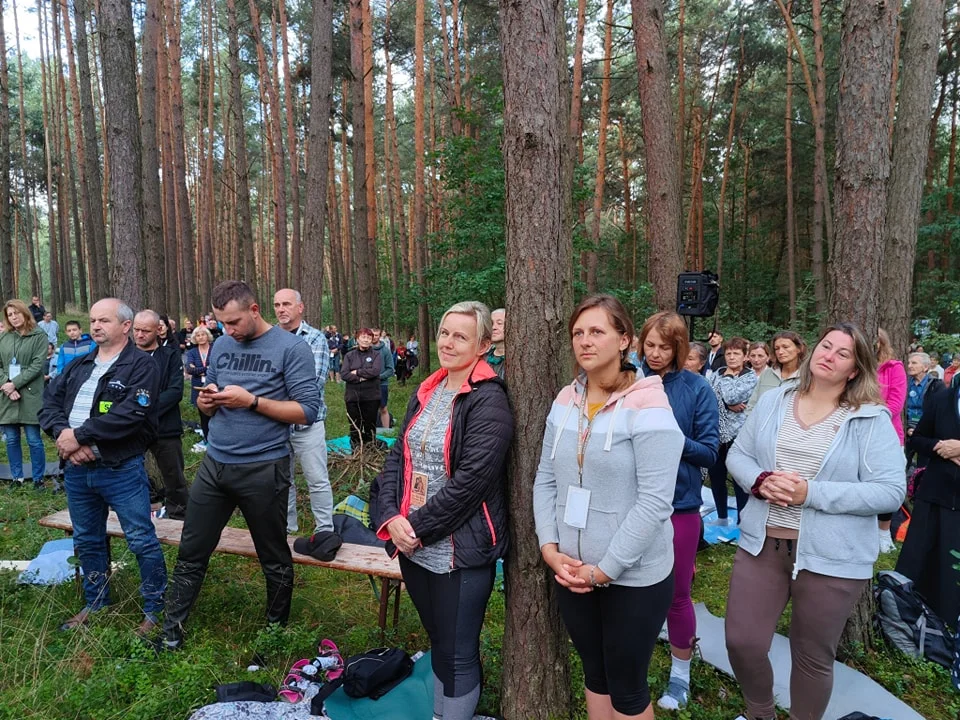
{"x":362,"y":559}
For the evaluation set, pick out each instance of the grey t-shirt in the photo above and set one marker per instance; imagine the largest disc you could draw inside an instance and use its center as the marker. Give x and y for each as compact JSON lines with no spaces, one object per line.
{"x":428,"y":458}
{"x":276,"y":365}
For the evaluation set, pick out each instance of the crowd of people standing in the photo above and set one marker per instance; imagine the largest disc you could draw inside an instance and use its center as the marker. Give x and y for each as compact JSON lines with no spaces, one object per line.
{"x":815,"y":439}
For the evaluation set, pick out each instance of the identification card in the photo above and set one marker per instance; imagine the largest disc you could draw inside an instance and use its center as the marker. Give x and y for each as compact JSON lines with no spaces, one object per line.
{"x":14,"y":369}
{"x":418,"y":495}
{"x":578,"y":505}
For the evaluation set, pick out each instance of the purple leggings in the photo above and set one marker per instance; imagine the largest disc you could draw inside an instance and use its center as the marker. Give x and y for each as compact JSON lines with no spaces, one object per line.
{"x":681,"y":619}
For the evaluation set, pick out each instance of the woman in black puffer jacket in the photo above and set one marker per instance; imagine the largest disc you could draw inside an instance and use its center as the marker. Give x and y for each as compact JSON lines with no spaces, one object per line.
{"x":440,"y":502}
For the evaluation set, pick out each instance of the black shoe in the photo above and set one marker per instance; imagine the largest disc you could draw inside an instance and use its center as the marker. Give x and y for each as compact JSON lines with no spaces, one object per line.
{"x":164,"y":643}
{"x":38,"y":485}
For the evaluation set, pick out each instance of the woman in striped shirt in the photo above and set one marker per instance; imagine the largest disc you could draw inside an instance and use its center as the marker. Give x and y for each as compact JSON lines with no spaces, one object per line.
{"x":820,"y":460}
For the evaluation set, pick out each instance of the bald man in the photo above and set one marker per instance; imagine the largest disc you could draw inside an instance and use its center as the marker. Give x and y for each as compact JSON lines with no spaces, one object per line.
{"x":309,"y":442}
{"x":168,"y":448}
{"x":102,"y":411}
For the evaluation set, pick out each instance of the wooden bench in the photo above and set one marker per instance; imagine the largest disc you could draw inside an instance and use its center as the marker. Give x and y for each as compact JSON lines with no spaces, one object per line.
{"x":362,"y":559}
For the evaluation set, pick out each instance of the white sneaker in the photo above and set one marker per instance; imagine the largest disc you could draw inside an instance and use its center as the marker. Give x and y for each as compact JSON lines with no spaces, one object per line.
{"x":886,"y":542}
{"x":199,"y":447}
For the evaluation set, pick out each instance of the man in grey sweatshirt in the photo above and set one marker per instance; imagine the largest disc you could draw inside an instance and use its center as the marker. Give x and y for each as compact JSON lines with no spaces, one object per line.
{"x":260,"y":380}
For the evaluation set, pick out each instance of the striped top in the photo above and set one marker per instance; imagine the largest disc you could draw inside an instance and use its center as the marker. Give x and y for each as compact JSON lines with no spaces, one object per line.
{"x":83,"y":403}
{"x":427,"y":437}
{"x":801,"y":449}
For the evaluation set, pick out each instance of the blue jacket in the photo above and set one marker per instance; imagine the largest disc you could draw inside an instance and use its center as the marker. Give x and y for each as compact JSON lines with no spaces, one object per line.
{"x":695,"y":410}
{"x":73,"y":349}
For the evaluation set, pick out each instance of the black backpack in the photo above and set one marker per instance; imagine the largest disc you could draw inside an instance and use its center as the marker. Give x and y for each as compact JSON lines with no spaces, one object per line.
{"x":371,"y":674}
{"x":908,"y":623}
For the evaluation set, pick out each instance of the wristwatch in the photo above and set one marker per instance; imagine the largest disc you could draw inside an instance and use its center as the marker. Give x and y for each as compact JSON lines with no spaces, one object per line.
{"x":255,"y":403}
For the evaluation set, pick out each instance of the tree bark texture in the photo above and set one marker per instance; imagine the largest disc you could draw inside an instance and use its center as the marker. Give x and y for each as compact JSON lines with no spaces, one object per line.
{"x":185,"y":234}
{"x":241,"y":183}
{"x":660,"y":150}
{"x":7,"y":287}
{"x":538,"y":297}
{"x":318,"y":150}
{"x":910,"y":137}
{"x":601,"y":176}
{"x":418,"y":236}
{"x":153,"y":242}
{"x":95,"y":230}
{"x":365,"y":269}
{"x":863,"y":161}
{"x":118,"y":50}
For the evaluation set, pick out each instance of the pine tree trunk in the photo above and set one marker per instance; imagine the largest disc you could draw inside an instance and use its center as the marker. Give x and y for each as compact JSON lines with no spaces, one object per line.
{"x":28,"y":224}
{"x":318,"y":155}
{"x":338,"y":274}
{"x":241,"y":167}
{"x":660,"y":147}
{"x":419,"y":191}
{"x":681,"y":87}
{"x":94,"y":229}
{"x":55,"y":299}
{"x":366,"y":314}
{"x":7,"y":285}
{"x":185,"y":232}
{"x":538,"y":298}
{"x":153,"y":242}
{"x":820,"y":195}
{"x":788,"y":220}
{"x":907,"y":170}
{"x":123,"y":136}
{"x":721,"y":227}
{"x":296,"y":265}
{"x":601,"y":176}
{"x":863,"y":162}
{"x":270,"y":98}
{"x":370,"y":165}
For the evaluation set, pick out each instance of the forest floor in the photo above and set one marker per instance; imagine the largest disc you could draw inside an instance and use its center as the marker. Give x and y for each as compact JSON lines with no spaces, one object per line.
{"x":102,"y":672}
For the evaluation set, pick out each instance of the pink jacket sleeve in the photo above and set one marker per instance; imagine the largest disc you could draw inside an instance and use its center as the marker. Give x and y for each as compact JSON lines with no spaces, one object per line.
{"x":893,"y":389}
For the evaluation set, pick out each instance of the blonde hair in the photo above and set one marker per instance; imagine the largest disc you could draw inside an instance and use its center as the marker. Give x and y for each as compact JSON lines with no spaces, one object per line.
{"x":201,"y":330}
{"x":28,"y":322}
{"x":864,"y":387}
{"x":884,"y":346}
{"x":479,"y":311}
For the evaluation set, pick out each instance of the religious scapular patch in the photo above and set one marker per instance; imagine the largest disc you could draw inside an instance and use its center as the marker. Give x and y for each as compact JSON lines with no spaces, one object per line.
{"x":143,"y":397}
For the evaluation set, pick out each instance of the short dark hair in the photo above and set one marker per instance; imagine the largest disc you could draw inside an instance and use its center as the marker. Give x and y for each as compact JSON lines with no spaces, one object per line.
{"x":72,"y":322}
{"x":233,"y":291}
{"x":736,"y":343}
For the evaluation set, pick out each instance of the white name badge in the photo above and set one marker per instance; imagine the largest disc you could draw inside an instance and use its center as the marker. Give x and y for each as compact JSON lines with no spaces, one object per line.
{"x":14,"y":370}
{"x":578,"y":505}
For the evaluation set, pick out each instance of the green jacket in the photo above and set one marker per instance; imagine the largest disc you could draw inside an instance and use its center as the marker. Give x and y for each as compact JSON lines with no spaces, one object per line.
{"x":30,"y":350}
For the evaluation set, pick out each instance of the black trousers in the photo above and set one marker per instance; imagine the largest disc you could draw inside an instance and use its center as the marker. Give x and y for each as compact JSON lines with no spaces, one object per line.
{"x":718,"y":483}
{"x":168,"y":452}
{"x":614,"y":630}
{"x":926,"y":558}
{"x":451,"y":607}
{"x":260,"y":490}
{"x":363,"y":416}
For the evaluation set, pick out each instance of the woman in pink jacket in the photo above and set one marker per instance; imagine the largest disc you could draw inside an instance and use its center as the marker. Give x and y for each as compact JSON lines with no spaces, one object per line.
{"x":893,"y":390}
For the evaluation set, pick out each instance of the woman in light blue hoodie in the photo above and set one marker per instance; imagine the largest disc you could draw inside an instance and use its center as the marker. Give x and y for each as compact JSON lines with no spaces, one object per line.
{"x":819,"y":460}
{"x":602,"y":501}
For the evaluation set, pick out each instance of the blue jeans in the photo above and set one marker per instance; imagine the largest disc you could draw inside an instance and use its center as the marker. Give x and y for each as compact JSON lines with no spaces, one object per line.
{"x":92,"y":490}
{"x":38,"y":459}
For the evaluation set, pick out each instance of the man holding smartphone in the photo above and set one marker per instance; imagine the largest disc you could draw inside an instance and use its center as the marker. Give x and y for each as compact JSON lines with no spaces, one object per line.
{"x":260,"y":380}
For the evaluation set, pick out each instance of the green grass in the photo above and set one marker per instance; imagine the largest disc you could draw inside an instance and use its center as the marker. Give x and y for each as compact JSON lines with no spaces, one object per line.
{"x":101,"y":672}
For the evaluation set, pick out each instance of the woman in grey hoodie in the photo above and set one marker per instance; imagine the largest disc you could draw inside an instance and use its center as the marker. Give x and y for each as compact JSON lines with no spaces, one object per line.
{"x":602,"y":503}
{"x":819,"y":460}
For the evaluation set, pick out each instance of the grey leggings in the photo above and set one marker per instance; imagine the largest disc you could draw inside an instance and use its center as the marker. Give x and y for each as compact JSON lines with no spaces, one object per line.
{"x":759,"y":590}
